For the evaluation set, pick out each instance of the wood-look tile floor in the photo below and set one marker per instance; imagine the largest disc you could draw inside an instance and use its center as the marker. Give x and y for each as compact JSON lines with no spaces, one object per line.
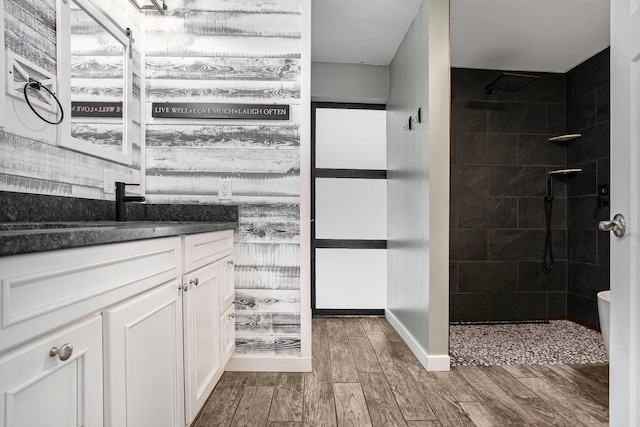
{"x":364,"y":375}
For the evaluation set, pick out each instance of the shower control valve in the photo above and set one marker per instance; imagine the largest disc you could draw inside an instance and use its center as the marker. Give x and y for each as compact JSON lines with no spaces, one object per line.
{"x":618,"y":225}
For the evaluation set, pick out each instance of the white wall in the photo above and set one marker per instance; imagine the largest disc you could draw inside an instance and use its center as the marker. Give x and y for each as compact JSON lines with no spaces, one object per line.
{"x":418,"y":187}
{"x":332,"y":82}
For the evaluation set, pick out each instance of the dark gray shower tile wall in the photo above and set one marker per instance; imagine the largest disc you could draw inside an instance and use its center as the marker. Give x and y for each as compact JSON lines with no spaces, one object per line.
{"x":499,"y":163}
{"x":587,"y":248}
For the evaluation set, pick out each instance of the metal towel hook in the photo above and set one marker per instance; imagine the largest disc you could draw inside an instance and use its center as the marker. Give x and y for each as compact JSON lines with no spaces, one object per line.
{"x":418,"y":117}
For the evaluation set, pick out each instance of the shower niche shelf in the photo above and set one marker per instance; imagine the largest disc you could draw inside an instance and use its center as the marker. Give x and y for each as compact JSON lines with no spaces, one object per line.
{"x":565,"y":138}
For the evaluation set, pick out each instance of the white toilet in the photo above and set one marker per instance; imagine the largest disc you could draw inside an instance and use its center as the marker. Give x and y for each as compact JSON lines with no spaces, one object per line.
{"x":604,"y":310}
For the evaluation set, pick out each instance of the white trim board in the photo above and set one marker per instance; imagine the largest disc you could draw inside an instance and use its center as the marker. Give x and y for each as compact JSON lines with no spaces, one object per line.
{"x":251,"y":363}
{"x":305,"y":190}
{"x":430,"y":363}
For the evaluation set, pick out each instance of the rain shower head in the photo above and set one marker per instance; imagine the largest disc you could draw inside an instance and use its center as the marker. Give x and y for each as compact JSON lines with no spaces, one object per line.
{"x":509,"y":82}
{"x":564,"y":172}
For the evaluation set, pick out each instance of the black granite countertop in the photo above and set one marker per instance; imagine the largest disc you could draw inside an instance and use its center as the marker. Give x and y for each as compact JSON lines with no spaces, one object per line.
{"x":20,"y":238}
{"x":38,"y":223}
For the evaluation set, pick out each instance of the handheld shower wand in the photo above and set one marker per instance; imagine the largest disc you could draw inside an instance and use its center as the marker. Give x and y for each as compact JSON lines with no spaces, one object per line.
{"x":547,"y":257}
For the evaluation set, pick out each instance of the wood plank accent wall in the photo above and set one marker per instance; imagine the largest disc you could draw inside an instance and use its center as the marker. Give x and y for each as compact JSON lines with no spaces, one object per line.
{"x":31,"y":166}
{"x":30,"y":30}
{"x":248,"y":52}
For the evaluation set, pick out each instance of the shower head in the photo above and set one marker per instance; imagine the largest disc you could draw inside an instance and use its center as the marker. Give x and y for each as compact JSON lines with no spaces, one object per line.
{"x":509,"y":82}
{"x":564,"y":172}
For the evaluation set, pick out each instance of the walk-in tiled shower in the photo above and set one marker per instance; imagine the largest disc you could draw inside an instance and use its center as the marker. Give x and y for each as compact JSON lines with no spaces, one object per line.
{"x":500,"y":159}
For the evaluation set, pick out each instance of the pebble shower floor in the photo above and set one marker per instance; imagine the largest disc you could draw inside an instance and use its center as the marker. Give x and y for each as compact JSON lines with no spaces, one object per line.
{"x":556,"y":342}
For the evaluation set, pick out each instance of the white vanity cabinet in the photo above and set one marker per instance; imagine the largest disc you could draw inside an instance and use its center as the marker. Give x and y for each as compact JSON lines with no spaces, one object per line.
{"x":65,"y":299}
{"x":118,"y":335}
{"x":203,"y":286}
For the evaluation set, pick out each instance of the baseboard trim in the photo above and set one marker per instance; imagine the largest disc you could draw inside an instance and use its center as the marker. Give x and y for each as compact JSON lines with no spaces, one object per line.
{"x":438,"y":363}
{"x":347,"y":312}
{"x":430,"y":363}
{"x":249,"y":363}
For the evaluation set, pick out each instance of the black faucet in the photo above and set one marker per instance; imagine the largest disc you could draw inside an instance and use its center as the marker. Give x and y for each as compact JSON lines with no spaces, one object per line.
{"x":121,"y":199}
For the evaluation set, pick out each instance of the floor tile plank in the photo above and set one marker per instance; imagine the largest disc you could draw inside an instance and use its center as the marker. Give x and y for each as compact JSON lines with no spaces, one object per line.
{"x":288,"y":397}
{"x":412,"y":365}
{"x":392,"y":334}
{"x":563,"y":407}
{"x":253,"y":409}
{"x":497,"y":413}
{"x":319,"y":326}
{"x":519,"y":371}
{"x":382,"y":348}
{"x":363,"y":355}
{"x":591,"y":387}
{"x":343,"y":367}
{"x":263,"y":379}
{"x":370,"y":324}
{"x":541,"y":412}
{"x":353,"y":327}
{"x":410,"y":399}
{"x":480,"y":414}
{"x":594,"y":371}
{"x":457,"y":386}
{"x":335,"y":329}
{"x":579,"y":396}
{"x":382,"y":405}
{"x":447,"y":410}
{"x":320,"y":356}
{"x":599,"y":371}
{"x":319,"y":408}
{"x":221,"y":405}
{"x":490,"y":392}
{"x":508,"y":383}
{"x":351,"y":407}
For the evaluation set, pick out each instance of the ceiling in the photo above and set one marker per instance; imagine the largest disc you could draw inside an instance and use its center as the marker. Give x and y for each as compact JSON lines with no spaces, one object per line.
{"x":532,"y":35}
{"x":359,"y":31}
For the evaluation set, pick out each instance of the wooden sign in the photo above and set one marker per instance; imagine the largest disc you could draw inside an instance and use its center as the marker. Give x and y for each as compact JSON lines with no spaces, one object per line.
{"x":96,"y":109}
{"x":193,"y":110}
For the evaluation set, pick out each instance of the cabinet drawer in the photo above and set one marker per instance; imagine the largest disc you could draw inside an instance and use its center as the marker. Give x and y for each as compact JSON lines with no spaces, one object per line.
{"x":205,"y":248}
{"x":43,"y":291}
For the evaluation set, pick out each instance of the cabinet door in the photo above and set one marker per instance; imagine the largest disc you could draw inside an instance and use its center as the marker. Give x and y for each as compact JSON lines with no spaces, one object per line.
{"x":227,"y":282}
{"x":202,"y":339}
{"x":39,"y":389}
{"x":143,"y":360}
{"x":228,"y":330}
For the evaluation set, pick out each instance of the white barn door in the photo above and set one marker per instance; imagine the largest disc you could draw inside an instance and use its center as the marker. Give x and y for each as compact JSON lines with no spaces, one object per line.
{"x":625,"y":199}
{"x":350,"y":209}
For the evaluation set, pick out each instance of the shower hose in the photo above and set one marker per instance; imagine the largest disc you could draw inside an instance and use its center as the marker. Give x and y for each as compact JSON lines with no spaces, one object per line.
{"x":547,"y":258}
